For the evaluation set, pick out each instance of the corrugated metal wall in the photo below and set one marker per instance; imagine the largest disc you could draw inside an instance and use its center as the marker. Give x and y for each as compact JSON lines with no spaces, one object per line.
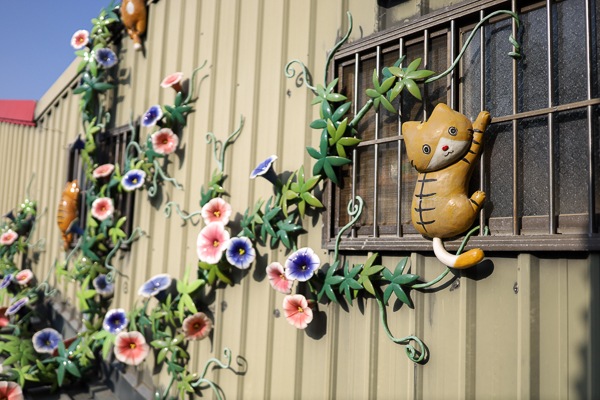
{"x":519,"y":326}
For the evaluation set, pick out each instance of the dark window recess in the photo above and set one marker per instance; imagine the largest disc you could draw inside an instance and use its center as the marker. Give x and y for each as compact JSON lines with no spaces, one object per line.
{"x":110,"y":150}
{"x":540,"y":167}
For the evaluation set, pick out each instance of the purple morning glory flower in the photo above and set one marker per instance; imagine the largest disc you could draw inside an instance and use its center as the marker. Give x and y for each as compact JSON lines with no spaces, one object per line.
{"x":46,"y":340}
{"x":115,"y":321}
{"x":101,"y":286}
{"x":266,"y":170}
{"x":133,"y":179}
{"x":155,"y":285}
{"x":106,"y":57}
{"x":302,"y":264}
{"x":152,"y":116}
{"x":6,"y":281}
{"x":240,"y":252}
{"x":16,"y":306}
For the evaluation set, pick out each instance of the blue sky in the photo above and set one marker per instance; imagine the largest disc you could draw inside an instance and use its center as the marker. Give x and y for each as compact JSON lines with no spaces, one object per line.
{"x":35,"y":40}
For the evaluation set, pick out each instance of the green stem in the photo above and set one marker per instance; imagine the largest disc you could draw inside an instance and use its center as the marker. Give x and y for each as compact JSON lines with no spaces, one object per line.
{"x":455,"y":63}
{"x":187,"y":100}
{"x":167,"y":211}
{"x":335,"y":48}
{"x":29,"y":185}
{"x":210,"y":137}
{"x":353,"y":211}
{"x":361,"y":113}
{"x":110,"y":276}
{"x":159,"y":171}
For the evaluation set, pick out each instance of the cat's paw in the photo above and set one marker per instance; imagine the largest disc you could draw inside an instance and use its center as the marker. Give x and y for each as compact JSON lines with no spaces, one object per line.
{"x":478,"y":198}
{"x":483,"y":120}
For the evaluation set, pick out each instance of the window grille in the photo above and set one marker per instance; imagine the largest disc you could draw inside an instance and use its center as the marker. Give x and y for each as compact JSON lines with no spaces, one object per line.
{"x":540,"y":166}
{"x":110,"y":149}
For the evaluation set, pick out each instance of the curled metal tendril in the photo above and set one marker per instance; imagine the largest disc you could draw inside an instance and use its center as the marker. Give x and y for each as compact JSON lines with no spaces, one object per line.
{"x":210,"y":138}
{"x":29,"y":185}
{"x":187,"y":100}
{"x":111,"y":275}
{"x":44,"y":285}
{"x":354,"y":210}
{"x":159,"y":171}
{"x":167,"y":211}
{"x":43,"y":240}
{"x":336,"y":47}
{"x":516,"y":54}
{"x":290,"y":72}
{"x":227,"y":354}
{"x":132,"y":142}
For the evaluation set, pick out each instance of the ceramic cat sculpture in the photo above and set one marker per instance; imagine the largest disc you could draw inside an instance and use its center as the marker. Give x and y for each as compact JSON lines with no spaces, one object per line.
{"x":134,"y":14}
{"x":444,"y":150}
{"x":67,"y":211}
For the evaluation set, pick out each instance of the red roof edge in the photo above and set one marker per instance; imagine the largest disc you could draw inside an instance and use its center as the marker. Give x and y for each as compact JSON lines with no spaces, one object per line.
{"x":20,"y":112}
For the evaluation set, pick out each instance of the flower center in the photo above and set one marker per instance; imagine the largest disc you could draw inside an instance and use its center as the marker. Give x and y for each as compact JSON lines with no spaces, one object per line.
{"x":242,"y":251}
{"x":217,"y":214}
{"x":216,"y":243}
{"x":103,"y":208}
{"x":300,"y":310}
{"x":47,"y":343}
{"x":117,"y":322}
{"x":132,"y":345}
{"x":282,"y":276}
{"x":134,"y":180}
{"x":196,"y":325}
{"x":165,"y":141}
{"x":304,"y":268}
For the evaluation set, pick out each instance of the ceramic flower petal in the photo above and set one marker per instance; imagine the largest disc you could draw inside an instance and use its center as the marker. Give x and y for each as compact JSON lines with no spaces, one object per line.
{"x":102,"y":286}
{"x":106,"y":57}
{"x":23,"y":277}
{"x":131,"y":348}
{"x":266,"y":170}
{"x":216,"y":210}
{"x":46,"y":340}
{"x":240,"y":252}
{"x":155,"y":285}
{"x":302,"y":264}
{"x":212,"y":242}
{"x":133,"y":180}
{"x":164,"y":141}
{"x":152,"y":116}
{"x":17,"y":305}
{"x":10,"y":391}
{"x":197,"y":326}
{"x":173,"y":81}
{"x":115,"y":321}
{"x":6,"y":281}
{"x":296,"y":311}
{"x":103,"y":171}
{"x":277,"y":278}
{"x":3,"y":318}
{"x":80,"y":39}
{"x":102,"y":208}
{"x":8,"y":237}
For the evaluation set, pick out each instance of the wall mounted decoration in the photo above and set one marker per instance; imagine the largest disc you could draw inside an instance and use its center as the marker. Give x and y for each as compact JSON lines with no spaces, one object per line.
{"x":134,"y":16}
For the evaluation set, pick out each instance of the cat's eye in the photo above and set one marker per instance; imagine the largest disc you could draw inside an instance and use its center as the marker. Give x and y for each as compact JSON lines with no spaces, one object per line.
{"x":426,"y":149}
{"x":452,"y":131}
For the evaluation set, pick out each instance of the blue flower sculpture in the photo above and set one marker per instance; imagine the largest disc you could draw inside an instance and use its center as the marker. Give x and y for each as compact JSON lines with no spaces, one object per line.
{"x":115,"y":321}
{"x":106,"y":57}
{"x":133,"y":180}
{"x":103,"y":287}
{"x":46,"y":340}
{"x":152,"y":116}
{"x":266,"y":170}
{"x":16,"y":306}
{"x":155,"y":285}
{"x":302,"y":264}
{"x":6,"y":281}
{"x":240,"y":252}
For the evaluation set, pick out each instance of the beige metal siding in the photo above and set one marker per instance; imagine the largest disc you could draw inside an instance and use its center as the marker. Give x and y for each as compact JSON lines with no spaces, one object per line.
{"x":485,"y":340}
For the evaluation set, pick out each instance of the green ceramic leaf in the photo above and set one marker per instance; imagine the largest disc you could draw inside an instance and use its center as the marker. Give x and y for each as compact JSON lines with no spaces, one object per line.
{"x":413,"y":88}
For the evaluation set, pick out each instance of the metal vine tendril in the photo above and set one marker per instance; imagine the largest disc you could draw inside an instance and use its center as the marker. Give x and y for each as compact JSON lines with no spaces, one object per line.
{"x":227,"y":354}
{"x":159,"y":171}
{"x":187,"y":100}
{"x":41,"y":242}
{"x":44,"y":285}
{"x":210,"y":138}
{"x":516,"y":54}
{"x":167,"y":211}
{"x":353,"y":211}
{"x":29,"y":185}
{"x":291,"y":74}
{"x":110,"y":276}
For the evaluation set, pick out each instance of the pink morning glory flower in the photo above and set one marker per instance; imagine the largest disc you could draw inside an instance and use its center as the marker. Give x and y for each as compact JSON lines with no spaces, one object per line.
{"x":164,"y":141}
{"x":10,"y":391}
{"x":277,"y":278}
{"x":212,"y":242}
{"x":131,"y":348}
{"x":296,"y":311}
{"x":8,"y":237}
{"x":23,"y":277}
{"x":3,"y":318}
{"x":173,"y":80}
{"x":80,"y":39}
{"x":216,"y":210}
{"x":102,"y":208}
{"x":103,"y":171}
{"x":197,"y":326}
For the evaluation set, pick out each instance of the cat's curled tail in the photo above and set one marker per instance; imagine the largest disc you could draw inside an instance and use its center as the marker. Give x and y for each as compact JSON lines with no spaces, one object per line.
{"x":465,"y":260}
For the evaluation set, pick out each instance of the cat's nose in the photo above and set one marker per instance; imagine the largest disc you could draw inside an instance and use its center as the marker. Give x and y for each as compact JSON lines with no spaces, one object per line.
{"x":445,"y":148}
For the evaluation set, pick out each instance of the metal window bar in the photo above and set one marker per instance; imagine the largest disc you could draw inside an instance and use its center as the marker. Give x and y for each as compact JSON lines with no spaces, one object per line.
{"x":376,"y":155}
{"x":550,"y":39}
{"x":356,"y":72}
{"x":400,"y":140}
{"x":515,"y":224}
{"x":590,"y":118}
{"x":482,"y":107}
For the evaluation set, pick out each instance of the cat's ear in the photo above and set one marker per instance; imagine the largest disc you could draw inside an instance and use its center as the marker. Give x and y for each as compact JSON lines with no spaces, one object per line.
{"x":415,"y":137}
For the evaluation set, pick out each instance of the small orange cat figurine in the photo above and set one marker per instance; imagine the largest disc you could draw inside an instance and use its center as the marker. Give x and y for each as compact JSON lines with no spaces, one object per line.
{"x":444,"y":150}
{"x":134,"y":14}
{"x":67,"y":211}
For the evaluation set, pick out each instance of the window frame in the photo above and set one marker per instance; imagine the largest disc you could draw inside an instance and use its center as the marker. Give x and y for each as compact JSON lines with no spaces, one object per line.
{"x":456,"y":20}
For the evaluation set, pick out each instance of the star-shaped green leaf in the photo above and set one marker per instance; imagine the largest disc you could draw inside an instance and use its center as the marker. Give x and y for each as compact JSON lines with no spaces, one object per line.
{"x":325,"y":162}
{"x":368,"y":271}
{"x":326,"y":94}
{"x":349,"y":282}
{"x":302,"y":190}
{"x":330,"y":280}
{"x":213,"y":271}
{"x":337,"y":137}
{"x":177,"y":111}
{"x":406,"y":78}
{"x":267,"y":227}
{"x":378,"y":94}
{"x":327,"y":114}
{"x":285,"y":227}
{"x":397,"y":280}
